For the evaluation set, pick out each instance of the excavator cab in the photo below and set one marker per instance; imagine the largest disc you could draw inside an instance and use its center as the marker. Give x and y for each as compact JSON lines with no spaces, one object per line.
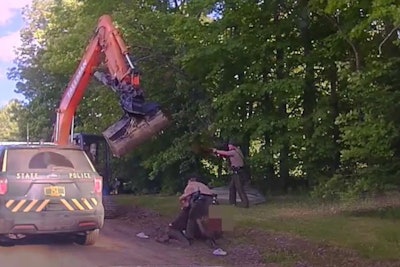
{"x":98,"y":152}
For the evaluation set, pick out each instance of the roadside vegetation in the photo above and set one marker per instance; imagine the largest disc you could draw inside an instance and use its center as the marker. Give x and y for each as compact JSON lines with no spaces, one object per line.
{"x":309,"y":89}
{"x":369,"y":228}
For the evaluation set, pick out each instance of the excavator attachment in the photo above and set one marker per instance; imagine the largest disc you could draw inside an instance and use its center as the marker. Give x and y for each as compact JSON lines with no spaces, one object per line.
{"x":130,"y":132}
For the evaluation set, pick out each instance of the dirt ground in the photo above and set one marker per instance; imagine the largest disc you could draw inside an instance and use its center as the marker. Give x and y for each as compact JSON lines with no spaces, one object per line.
{"x":117,"y":246}
{"x":251,"y":247}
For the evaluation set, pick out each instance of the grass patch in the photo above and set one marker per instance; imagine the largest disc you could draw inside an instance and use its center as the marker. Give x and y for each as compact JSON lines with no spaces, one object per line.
{"x":381,"y":213}
{"x":285,"y":258}
{"x":371,"y":230}
{"x":373,"y":238}
{"x":370,"y":227}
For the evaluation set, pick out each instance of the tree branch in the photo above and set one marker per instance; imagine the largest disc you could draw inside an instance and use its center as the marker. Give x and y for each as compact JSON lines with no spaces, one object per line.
{"x":353,"y":46}
{"x":176,"y":4}
{"x":386,"y":38}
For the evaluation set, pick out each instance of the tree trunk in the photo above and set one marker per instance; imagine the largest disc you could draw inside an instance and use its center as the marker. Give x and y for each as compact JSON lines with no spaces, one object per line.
{"x":284,"y":152}
{"x":334,"y":105}
{"x":283,"y":116}
{"x":309,"y":91}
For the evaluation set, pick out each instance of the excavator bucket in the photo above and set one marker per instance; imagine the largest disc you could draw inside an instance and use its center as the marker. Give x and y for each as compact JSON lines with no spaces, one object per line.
{"x":128,"y":133}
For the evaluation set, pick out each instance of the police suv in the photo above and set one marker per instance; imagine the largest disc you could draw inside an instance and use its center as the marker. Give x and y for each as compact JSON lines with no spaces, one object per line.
{"x":48,"y":189}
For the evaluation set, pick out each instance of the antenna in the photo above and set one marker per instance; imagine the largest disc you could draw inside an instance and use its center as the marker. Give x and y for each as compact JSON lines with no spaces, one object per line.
{"x":27,"y":133}
{"x":72,"y":130}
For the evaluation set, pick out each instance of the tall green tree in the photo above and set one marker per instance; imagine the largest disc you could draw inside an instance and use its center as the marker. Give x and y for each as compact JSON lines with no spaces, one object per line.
{"x":9,"y":118}
{"x":307,"y":87}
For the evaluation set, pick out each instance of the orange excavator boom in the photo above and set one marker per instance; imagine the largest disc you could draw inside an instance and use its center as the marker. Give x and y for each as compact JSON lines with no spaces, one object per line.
{"x":141,"y":120}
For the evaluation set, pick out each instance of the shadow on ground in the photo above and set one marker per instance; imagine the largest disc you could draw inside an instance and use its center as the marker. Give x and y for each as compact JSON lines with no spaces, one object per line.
{"x":58,"y":240}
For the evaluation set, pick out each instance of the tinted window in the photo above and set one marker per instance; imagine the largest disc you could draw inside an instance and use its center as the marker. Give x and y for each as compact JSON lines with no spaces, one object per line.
{"x":47,"y":159}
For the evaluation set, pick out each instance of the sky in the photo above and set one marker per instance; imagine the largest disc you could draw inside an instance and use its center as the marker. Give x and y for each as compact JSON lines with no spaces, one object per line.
{"x":10,"y":24}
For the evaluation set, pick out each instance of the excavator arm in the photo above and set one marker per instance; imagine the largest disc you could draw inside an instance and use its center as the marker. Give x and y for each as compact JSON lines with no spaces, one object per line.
{"x":141,"y":120}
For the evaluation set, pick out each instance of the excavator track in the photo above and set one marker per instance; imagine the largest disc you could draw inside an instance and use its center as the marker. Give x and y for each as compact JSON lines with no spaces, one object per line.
{"x":111,"y":209}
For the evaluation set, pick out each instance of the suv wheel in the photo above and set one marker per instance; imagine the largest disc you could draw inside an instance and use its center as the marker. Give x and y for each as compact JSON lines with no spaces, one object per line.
{"x":90,"y":238}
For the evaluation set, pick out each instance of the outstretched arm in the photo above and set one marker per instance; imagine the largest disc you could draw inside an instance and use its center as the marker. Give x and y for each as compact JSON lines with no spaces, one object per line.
{"x":224,"y":153}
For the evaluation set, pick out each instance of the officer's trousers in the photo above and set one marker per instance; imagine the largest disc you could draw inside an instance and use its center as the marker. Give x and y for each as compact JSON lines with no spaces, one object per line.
{"x":189,"y":219}
{"x":238,"y":181}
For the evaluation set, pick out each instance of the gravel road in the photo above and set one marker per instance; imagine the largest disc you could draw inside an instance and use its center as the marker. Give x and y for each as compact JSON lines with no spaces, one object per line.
{"x":118,"y":246}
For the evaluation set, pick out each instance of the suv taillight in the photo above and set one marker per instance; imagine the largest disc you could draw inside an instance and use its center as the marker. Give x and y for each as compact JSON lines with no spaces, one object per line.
{"x":3,"y":186}
{"x":98,"y":185}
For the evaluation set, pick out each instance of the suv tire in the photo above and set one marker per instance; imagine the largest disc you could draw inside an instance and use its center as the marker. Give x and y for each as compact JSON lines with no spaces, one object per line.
{"x":91,"y":237}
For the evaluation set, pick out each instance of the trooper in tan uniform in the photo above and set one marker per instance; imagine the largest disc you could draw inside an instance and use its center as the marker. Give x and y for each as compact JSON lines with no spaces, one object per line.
{"x":239,"y":177}
{"x":195,"y":203}
{"x":198,"y":197}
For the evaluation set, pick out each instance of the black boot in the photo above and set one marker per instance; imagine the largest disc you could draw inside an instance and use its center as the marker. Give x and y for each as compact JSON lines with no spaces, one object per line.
{"x":178,"y":235}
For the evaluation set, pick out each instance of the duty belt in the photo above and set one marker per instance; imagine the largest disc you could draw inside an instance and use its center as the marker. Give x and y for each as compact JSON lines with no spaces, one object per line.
{"x":236,"y":169}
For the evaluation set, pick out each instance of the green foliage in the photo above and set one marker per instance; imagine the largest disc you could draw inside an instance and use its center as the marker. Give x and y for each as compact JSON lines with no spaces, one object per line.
{"x":9,"y":116}
{"x":309,"y":88}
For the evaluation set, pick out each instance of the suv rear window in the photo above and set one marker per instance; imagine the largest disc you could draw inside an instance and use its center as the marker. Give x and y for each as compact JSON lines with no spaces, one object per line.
{"x":47,"y":159}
